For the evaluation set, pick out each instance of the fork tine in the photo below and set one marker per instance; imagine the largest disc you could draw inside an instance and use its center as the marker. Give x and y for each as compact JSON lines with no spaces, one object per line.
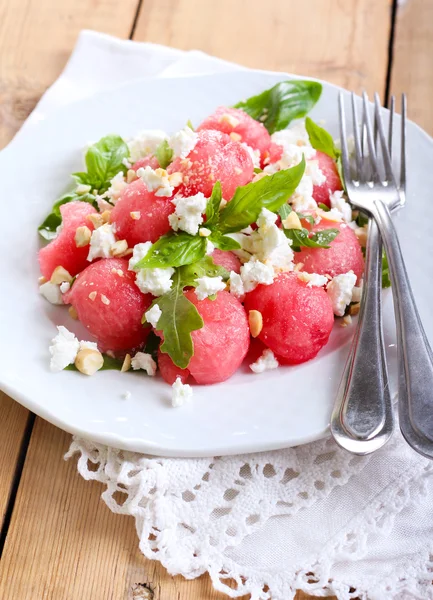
{"x":370,"y":139}
{"x":403,"y":142}
{"x":385,"y":153}
{"x":391,"y":124}
{"x":358,"y":152}
{"x":343,"y":137}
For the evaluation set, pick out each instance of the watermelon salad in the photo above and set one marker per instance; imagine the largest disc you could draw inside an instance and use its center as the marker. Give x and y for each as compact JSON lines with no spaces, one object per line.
{"x":191,"y":252}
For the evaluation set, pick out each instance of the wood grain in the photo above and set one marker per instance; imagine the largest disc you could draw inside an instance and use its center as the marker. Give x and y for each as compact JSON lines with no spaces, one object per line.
{"x":413,"y":60}
{"x":342,"y":41}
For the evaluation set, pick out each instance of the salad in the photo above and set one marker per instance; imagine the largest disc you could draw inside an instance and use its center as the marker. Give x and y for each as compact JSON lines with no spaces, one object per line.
{"x":187,"y":253}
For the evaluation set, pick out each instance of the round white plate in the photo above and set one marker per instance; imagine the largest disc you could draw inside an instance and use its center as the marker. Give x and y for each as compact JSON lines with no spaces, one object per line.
{"x":280,"y":408}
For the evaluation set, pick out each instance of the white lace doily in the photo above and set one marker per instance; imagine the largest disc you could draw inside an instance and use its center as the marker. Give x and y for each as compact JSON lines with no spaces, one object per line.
{"x":312,"y":518}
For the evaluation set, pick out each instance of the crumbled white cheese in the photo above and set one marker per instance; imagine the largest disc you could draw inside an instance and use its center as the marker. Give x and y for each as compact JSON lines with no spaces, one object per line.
{"x":183,"y":142}
{"x":265,"y":362}
{"x":156,"y":181}
{"x":207,"y":286}
{"x":65,"y":287}
{"x":64,"y":348}
{"x":254,"y":272}
{"x":101,"y":242}
{"x":209,"y":247}
{"x":126,"y":395}
{"x":313,"y":170}
{"x":338,"y":203}
{"x":51,"y":292}
{"x":295,"y":143}
{"x":340,"y":290}
{"x":144,"y":361}
{"x":145,"y":143}
{"x":153,"y":315}
{"x":236,"y":285}
{"x":188,"y":215}
{"x":118,"y":184}
{"x":154,"y":281}
{"x":254,"y":154}
{"x":181,"y":393}
{"x":313,"y":279}
{"x":88,"y":345}
{"x":266,"y":218}
{"x":302,"y":200}
{"x":138,"y":252}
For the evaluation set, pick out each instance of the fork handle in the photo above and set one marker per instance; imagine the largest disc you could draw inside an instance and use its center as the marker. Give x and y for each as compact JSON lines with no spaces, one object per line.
{"x":415,"y":358}
{"x":363,"y":407}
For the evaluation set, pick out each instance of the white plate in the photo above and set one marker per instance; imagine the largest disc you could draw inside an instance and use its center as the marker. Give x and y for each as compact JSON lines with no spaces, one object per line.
{"x":280,"y":408}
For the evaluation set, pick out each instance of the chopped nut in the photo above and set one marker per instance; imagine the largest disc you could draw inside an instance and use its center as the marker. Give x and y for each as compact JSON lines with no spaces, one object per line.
{"x":230,"y":119}
{"x":60,"y":275}
{"x":96,"y":220}
{"x":42,"y":280}
{"x":329,"y":216}
{"x":204,"y":232}
{"x":119,"y":247}
{"x":82,"y":236}
{"x":175,"y":179}
{"x":235,"y":136}
{"x":127,"y":252}
{"x":93,"y":295}
{"x":354,"y":309}
{"x":73,"y":312}
{"x":255,"y":321}
{"x":89,"y":361}
{"x":117,"y":272}
{"x":298,"y":266}
{"x":135,"y":215}
{"x":106,"y":216}
{"x":347,"y":320}
{"x":131,"y":176}
{"x":292,"y":221}
{"x":361,"y":234}
{"x":126,"y":364}
{"x":105,"y":300}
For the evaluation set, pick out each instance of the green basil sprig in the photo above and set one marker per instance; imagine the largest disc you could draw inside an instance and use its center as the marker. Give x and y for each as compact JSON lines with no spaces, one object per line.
{"x":164,"y":154}
{"x":48,"y":228}
{"x":302,"y":238}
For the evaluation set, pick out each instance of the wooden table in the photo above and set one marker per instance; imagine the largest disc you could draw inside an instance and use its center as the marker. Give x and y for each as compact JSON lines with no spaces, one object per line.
{"x":58,"y":538}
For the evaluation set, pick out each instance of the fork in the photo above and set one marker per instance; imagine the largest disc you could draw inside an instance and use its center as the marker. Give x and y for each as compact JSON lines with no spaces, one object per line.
{"x":373,"y":189}
{"x":362,"y":419}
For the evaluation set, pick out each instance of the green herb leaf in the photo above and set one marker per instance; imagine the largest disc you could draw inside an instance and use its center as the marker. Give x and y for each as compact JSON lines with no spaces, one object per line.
{"x":301,"y":238}
{"x":152,"y":345}
{"x":213,"y":206}
{"x":324,"y":207}
{"x":190,"y":125}
{"x":361,"y":219}
{"x":282,"y":103}
{"x":178,"y":319}
{"x":270,"y":192}
{"x":224,"y":242}
{"x":386,"y":281}
{"x":48,"y":229}
{"x":164,"y":154}
{"x":320,"y":139}
{"x":202,"y":268}
{"x":257,"y":170}
{"x":173,"y":250}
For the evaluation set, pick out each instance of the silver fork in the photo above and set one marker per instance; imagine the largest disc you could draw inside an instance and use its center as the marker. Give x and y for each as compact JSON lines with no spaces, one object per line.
{"x":373,"y":189}
{"x":362,"y":419}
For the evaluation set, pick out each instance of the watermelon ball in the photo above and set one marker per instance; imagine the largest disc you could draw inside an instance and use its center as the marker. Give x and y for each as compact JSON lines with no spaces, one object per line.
{"x":152,"y":211}
{"x":63,"y":250}
{"x":228,"y":260}
{"x":343,"y":255}
{"x":333,"y":182}
{"x":169,"y":371}
{"x":110,"y":305}
{"x":240,"y":126}
{"x":297,"y":320}
{"x":274,"y":153}
{"x":219,"y":346}
{"x":215,"y":157}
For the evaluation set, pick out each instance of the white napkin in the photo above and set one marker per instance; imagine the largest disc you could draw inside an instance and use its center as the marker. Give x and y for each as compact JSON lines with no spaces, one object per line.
{"x":311,"y":518}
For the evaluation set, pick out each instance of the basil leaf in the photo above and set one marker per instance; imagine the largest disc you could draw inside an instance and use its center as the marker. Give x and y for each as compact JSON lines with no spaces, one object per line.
{"x":361,"y":219}
{"x":386,"y":281}
{"x":301,"y":238}
{"x":178,"y":319}
{"x":257,"y":170}
{"x":82,"y":178}
{"x":320,"y":139}
{"x":110,"y":364}
{"x":202,"y":268}
{"x":190,"y":125}
{"x":164,"y":154}
{"x":104,"y":160}
{"x":282,"y":103}
{"x":224,"y":242}
{"x":324,"y":207}
{"x":213,"y":206}
{"x":48,"y":228}
{"x":270,"y":192}
{"x":173,"y":250}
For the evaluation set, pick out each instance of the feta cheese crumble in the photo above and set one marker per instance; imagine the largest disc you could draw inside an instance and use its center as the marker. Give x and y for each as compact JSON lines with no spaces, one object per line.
{"x":144,"y":361}
{"x":236,"y":285}
{"x":118,"y":184}
{"x":101,"y":242}
{"x":150,"y":281}
{"x":254,"y":154}
{"x":145,"y":143}
{"x":188,"y":215}
{"x":181,"y":393}
{"x":51,"y":292}
{"x":265,"y":362}
{"x":156,"y":181}
{"x":183,"y":142}
{"x":65,"y":347}
{"x":153,"y":315}
{"x":207,"y":286}
{"x":65,"y":286}
{"x":313,"y":279}
{"x":340,"y":290}
{"x":338,"y":203}
{"x":254,"y":272}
